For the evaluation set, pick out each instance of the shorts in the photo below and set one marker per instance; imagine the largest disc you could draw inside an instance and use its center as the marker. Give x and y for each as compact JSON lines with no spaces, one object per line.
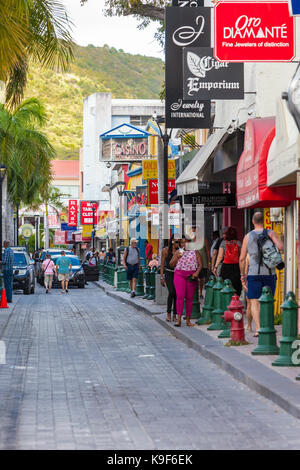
{"x":63,"y":277}
{"x":256,"y":284}
{"x":132,"y":271}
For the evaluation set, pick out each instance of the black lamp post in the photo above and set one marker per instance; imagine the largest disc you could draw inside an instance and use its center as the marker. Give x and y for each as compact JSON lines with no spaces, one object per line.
{"x":165,"y":139}
{"x":3,"y":170}
{"x":93,"y":204}
{"x":120,"y":188}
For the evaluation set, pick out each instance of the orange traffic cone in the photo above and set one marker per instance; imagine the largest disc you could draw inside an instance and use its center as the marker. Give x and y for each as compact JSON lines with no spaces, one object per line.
{"x":3,"y":303}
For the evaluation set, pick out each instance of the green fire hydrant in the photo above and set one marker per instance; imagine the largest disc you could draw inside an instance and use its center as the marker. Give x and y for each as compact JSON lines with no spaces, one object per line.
{"x":217,"y":322}
{"x":267,"y":333}
{"x":289,"y":331}
{"x":206,"y":316}
{"x":227,"y":292}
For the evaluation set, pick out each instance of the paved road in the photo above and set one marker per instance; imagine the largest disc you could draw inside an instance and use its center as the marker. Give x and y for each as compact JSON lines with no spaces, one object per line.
{"x":83,"y":371}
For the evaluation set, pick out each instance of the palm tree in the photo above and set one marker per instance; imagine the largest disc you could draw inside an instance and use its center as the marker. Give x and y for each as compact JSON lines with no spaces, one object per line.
{"x":36,"y":30}
{"x":25,"y":151}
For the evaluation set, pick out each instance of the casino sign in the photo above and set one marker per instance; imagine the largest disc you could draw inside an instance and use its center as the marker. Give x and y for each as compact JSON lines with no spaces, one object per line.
{"x":124,"y":143}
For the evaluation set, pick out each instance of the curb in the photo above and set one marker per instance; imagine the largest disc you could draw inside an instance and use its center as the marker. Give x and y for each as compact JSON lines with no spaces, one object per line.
{"x":123,"y":297}
{"x":255,"y":375}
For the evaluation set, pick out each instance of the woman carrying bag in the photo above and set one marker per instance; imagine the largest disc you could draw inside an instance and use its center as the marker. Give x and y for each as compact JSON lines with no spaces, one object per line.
{"x":188,"y":265}
{"x":230,"y":249}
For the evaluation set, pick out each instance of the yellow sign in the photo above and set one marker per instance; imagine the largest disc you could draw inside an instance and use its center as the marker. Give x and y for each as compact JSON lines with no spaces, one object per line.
{"x":150,"y":169}
{"x":87,"y":231}
{"x":267,"y":217}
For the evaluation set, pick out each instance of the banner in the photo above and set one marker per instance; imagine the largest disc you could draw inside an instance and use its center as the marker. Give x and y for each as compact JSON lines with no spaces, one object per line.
{"x":86,"y":213}
{"x":150,"y":169}
{"x":153,"y":190}
{"x":59,"y":237}
{"x":86,"y":231}
{"x":204,"y":77}
{"x":189,"y":27}
{"x":257,"y":31}
{"x":73,"y":213}
{"x":53,"y":219}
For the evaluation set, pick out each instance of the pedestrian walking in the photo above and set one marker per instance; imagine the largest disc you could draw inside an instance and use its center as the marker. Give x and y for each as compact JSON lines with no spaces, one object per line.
{"x":132,"y":264}
{"x":215,"y":253}
{"x":48,"y":268}
{"x":93,"y":260}
{"x":102,"y":256}
{"x":245,"y":289}
{"x":63,"y":268}
{"x":259,"y":274}
{"x":229,"y":252}
{"x":148,"y":251}
{"x":188,"y":265}
{"x":167,"y":276}
{"x":110,"y":256}
{"x":8,"y":270}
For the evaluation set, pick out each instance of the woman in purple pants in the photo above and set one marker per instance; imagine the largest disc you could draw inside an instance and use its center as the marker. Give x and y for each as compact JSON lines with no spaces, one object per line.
{"x":188,"y":265}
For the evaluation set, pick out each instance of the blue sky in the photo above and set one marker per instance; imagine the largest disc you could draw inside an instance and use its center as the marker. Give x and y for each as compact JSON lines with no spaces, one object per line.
{"x":92,"y":27}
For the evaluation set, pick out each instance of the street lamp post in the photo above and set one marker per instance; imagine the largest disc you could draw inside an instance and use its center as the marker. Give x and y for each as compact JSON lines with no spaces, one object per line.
{"x":165,"y":137}
{"x":120,"y":188}
{"x":3,"y":170}
{"x":293,"y":96}
{"x":93,"y":204}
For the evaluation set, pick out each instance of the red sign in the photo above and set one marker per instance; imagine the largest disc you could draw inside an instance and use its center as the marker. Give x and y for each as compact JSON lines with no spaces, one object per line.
{"x":153,"y":190}
{"x":72,"y":213}
{"x":86,"y":213}
{"x":254,"y":31}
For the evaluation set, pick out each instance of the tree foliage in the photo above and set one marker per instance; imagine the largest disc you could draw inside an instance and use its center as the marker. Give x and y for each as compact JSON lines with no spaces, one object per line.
{"x":32,"y":29}
{"x":25,"y":150}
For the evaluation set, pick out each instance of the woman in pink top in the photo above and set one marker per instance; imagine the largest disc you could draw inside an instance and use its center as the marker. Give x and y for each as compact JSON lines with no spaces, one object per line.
{"x":48,"y":268}
{"x":188,"y":266}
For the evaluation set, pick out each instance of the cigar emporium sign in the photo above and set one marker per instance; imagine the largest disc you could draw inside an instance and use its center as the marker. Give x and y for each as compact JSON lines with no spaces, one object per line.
{"x":189,"y":26}
{"x":254,"y":31}
{"x":204,"y":76}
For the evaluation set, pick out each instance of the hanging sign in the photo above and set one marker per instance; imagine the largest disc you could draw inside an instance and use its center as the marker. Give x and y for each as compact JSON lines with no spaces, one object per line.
{"x":153,"y":190}
{"x":150,"y":169}
{"x":59,"y":237}
{"x":254,"y":31}
{"x":187,"y":27}
{"x":72,"y":213}
{"x":86,"y":213}
{"x":205,"y":77}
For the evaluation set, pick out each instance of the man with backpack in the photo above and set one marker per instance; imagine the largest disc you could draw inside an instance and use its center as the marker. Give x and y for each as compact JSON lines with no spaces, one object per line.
{"x":132,"y":263}
{"x":263,"y":248}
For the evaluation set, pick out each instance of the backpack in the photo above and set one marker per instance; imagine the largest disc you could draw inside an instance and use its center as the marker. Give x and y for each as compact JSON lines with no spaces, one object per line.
{"x":269,"y":254}
{"x":88,"y":255}
{"x":232,"y":254}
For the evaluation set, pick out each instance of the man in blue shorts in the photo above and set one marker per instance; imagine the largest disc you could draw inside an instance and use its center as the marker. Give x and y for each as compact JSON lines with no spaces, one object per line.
{"x":259,"y":275}
{"x":132,"y":263}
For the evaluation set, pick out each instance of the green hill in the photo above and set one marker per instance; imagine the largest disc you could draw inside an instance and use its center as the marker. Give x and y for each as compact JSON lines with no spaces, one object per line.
{"x":95,"y":69}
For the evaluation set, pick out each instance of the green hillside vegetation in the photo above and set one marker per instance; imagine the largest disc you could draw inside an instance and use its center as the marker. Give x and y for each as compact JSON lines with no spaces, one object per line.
{"x":95,"y":69}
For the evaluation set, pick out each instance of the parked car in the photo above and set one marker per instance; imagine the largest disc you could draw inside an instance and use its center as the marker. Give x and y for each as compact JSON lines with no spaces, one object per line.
{"x":23,"y":277}
{"x":38,"y":267}
{"x":76,"y":279}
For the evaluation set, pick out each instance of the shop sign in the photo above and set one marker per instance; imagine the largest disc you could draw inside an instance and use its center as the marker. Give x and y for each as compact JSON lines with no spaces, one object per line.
{"x":211,"y":200}
{"x":187,"y":3}
{"x":190,"y":27}
{"x":294,"y":7}
{"x":267,"y":219}
{"x":78,"y":237}
{"x":153,"y":190}
{"x":87,"y":231}
{"x":53,"y":219}
{"x":67,"y":228}
{"x":69,"y":236}
{"x":26,"y":230}
{"x":125,"y":149}
{"x":142,"y":195}
{"x":206,"y":78}
{"x":59,"y":237}
{"x":150,"y":169}
{"x":73,"y":212}
{"x":86,"y":212}
{"x":103,"y":215}
{"x":254,"y":31}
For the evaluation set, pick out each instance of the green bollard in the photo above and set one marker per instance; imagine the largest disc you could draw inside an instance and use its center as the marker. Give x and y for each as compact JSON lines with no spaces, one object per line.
{"x":289,"y":331}
{"x":227,"y":292}
{"x":101,"y":270}
{"x":217,"y":322}
{"x":267,"y":333}
{"x":140,"y":284}
{"x":206,"y":316}
{"x":152,"y":275}
{"x":121,"y":279}
{"x":147,"y":282}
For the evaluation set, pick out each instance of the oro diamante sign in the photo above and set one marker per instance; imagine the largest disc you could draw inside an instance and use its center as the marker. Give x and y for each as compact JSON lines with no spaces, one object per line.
{"x":254,"y":31}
